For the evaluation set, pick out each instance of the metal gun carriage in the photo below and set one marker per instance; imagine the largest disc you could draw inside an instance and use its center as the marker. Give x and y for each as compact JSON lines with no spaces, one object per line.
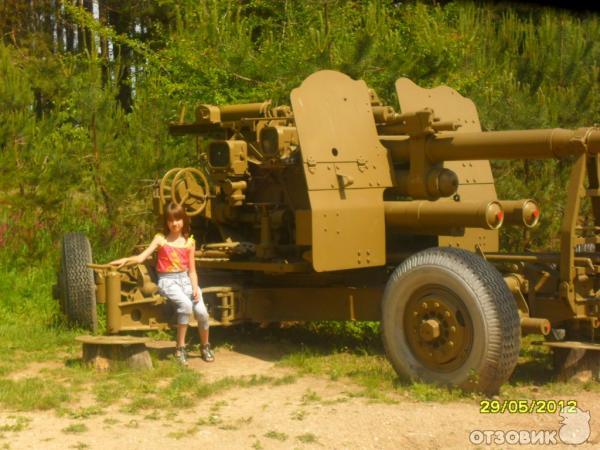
{"x":340,"y":208}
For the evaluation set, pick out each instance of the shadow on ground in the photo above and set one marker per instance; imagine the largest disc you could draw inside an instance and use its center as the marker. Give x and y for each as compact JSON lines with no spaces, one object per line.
{"x":275,"y":341}
{"x":279,"y":340}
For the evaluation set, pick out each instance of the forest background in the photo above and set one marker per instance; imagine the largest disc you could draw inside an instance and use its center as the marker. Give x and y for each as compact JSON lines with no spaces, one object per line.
{"x":87,"y":88}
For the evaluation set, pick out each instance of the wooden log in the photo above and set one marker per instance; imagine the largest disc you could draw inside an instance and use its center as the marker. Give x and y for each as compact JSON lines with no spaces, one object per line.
{"x":115,"y":352}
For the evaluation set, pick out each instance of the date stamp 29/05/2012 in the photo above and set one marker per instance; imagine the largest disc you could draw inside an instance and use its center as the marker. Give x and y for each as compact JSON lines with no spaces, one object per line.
{"x":526,"y":406}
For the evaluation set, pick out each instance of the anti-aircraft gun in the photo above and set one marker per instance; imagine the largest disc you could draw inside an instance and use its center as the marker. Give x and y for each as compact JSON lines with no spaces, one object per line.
{"x":341,"y":208}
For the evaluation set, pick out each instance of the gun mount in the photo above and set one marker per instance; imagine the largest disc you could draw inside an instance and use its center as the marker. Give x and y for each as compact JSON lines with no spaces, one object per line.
{"x":338,"y":207}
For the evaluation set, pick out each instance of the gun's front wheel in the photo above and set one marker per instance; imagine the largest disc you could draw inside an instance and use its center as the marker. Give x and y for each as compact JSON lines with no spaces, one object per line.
{"x":449,"y":318}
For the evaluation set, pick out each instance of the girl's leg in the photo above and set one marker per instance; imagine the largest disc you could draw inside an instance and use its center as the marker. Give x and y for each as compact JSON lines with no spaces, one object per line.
{"x":175,"y":293}
{"x":201,"y":315}
{"x":181,"y":331}
{"x":203,"y":335}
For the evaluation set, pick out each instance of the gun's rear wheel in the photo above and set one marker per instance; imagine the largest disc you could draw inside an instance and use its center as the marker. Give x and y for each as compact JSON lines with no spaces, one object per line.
{"x":77,"y":290}
{"x":449,"y":318}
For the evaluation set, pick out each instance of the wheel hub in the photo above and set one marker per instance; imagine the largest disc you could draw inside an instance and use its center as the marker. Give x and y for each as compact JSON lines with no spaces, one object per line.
{"x":429,"y":330}
{"x":436,"y":329}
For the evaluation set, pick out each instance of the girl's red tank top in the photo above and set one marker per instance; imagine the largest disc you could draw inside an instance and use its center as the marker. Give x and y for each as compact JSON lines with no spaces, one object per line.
{"x":172,"y":257}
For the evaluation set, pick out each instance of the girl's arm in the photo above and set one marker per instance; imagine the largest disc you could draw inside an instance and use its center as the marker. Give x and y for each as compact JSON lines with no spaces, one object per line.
{"x":138,"y":259}
{"x":193,"y":274}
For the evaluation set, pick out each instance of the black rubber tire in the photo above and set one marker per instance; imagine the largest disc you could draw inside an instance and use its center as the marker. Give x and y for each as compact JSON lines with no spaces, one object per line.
{"x":76,"y":282}
{"x":496,"y":334}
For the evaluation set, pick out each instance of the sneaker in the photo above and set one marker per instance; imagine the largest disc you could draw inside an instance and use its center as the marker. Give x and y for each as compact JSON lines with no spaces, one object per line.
{"x":207,"y":354}
{"x":181,"y":355}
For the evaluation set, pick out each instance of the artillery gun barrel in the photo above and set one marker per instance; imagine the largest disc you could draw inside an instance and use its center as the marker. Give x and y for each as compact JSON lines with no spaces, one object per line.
{"x":231,"y":113}
{"x":423,"y":215}
{"x":526,"y":144}
{"x":521,"y":212}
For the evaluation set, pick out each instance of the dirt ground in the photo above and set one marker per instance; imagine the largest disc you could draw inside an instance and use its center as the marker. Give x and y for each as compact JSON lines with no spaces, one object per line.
{"x":312,"y":412}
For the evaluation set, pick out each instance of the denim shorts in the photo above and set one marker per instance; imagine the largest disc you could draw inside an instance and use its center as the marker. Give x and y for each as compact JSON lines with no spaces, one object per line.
{"x":177,"y":287}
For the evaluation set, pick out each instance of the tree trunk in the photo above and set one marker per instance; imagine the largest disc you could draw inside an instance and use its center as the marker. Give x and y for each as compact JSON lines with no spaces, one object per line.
{"x":70,"y":36}
{"x":60,"y":27}
{"x":104,"y":55}
{"x":88,"y":36}
{"x":123,"y":55}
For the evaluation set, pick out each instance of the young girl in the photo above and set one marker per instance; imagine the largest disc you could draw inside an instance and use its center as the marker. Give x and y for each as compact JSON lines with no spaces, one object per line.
{"x":177,"y":278}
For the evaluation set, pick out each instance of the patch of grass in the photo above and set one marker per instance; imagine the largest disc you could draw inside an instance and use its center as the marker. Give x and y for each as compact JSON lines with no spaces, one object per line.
{"x":237,"y":424}
{"x":328,"y":335}
{"x":310,"y":396}
{"x":160,"y":335}
{"x":75,"y":428}
{"x":257,"y":445}
{"x":185,"y":381}
{"x":132,"y":424}
{"x":335,"y":401}
{"x":534,"y":364}
{"x":431,"y":393}
{"x":5,"y":369}
{"x":307,"y":438}
{"x":278,"y":436}
{"x":141,"y":403}
{"x":80,"y":446}
{"x":245,"y":420}
{"x":171,"y":415}
{"x":365,"y":369}
{"x":178,"y":434}
{"x":154,"y":415}
{"x":213,"y":419}
{"x":286,"y":379}
{"x":20,"y":424}
{"x":299,"y":415}
{"x":260,"y":380}
{"x":152,"y":389}
{"x":372,"y":373}
{"x":26,"y":304}
{"x":84,"y":413}
{"x":107,"y":391}
{"x":187,"y":387}
{"x":215,"y":407}
{"x":29,"y":394}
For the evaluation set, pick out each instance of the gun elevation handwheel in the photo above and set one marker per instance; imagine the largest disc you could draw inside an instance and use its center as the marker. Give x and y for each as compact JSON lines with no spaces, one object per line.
{"x":165,"y":189}
{"x":189,"y":188}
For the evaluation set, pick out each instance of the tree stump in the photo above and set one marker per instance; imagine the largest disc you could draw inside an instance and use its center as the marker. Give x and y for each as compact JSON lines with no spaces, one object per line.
{"x":115,"y":352}
{"x":576,"y":361}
